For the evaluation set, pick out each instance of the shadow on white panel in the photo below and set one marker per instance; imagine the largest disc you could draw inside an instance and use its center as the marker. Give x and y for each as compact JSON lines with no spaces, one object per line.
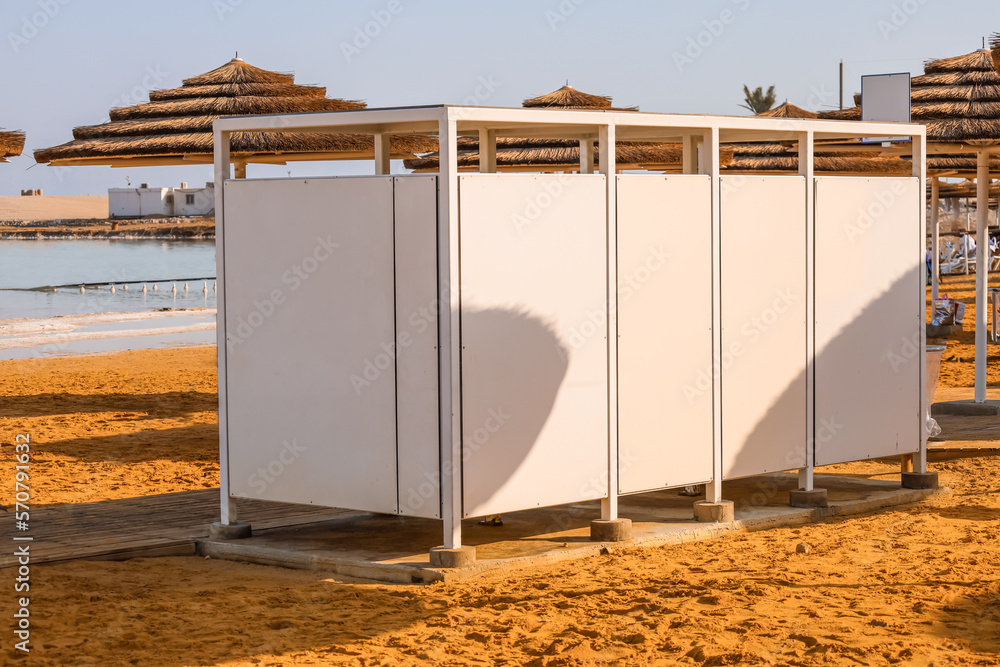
{"x":534,"y":341}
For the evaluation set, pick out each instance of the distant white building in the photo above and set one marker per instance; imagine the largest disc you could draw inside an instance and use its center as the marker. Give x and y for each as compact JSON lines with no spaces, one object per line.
{"x":145,"y":201}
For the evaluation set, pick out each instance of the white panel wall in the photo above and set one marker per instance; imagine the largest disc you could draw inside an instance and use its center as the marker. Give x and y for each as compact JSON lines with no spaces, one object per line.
{"x":664,"y":331}
{"x":869,"y":310}
{"x":123,"y":202}
{"x":203,"y":204}
{"x":416,"y":346}
{"x":153,"y":201}
{"x":534,"y":346}
{"x":763,"y":324}
{"x":309,"y":307}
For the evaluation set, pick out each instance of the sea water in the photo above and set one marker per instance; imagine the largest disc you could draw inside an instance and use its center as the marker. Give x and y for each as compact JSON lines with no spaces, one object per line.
{"x":28,"y":264}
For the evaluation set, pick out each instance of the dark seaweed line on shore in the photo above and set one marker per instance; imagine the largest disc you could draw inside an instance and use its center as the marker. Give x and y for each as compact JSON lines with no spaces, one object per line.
{"x":94,"y":222}
{"x":37,"y":235}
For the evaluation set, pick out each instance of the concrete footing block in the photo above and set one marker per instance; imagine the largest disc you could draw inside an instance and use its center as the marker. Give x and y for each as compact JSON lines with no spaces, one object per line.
{"x":444,"y":557}
{"x":613,"y":530}
{"x":803,"y":498}
{"x":229,"y":531}
{"x":721,"y":512}
{"x":966,"y":408}
{"x":919,"y":480}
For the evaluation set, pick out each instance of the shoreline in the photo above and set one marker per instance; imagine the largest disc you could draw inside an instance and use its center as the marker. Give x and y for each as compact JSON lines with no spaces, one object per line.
{"x":72,"y":335}
{"x":194,"y":228}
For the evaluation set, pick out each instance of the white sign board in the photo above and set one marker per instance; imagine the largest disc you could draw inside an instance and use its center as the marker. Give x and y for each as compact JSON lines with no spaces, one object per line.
{"x":885,"y":98}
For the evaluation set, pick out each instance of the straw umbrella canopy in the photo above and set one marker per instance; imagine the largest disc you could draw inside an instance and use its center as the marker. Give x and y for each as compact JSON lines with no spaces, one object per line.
{"x":958,"y":99}
{"x":772,"y":157}
{"x":783,"y":158}
{"x":787,"y":110}
{"x":175,"y":126}
{"x":11,"y":144}
{"x":517,"y":154}
{"x":569,"y":97}
{"x":965,"y":190}
{"x":560,"y":155}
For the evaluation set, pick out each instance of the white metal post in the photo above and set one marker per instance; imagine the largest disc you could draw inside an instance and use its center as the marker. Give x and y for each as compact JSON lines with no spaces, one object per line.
{"x":222,"y":174}
{"x":806,"y":145}
{"x":606,"y":148}
{"x":919,"y":461}
{"x":382,"y":153}
{"x":449,"y":341}
{"x":709,"y":164}
{"x":982,"y":268}
{"x":935,"y":240}
{"x":586,"y":156}
{"x":487,"y":151}
{"x":689,"y":154}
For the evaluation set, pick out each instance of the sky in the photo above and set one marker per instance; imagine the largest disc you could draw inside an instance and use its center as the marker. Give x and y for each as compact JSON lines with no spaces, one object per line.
{"x":65,"y":63}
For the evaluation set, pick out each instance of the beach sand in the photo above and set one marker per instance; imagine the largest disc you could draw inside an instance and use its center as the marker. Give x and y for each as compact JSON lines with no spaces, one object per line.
{"x":113,"y":425}
{"x":916,"y":585}
{"x":53,"y":208}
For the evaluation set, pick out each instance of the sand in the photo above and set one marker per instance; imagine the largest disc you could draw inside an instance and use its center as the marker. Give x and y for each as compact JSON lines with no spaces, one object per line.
{"x":917,"y":585}
{"x":113,"y":425}
{"x":957,"y":361}
{"x":53,"y":208}
{"x":914,"y":586}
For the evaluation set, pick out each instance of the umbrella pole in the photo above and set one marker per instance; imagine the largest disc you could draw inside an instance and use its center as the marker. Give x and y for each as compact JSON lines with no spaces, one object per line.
{"x":240,"y":168}
{"x":982,"y":268}
{"x":935,"y":241}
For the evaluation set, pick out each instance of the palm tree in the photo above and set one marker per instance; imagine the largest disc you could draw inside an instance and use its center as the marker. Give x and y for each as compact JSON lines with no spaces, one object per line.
{"x":757,"y":100}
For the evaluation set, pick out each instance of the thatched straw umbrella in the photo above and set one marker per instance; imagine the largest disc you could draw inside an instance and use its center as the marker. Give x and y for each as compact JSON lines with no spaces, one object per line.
{"x":531,"y":155}
{"x":11,"y":144}
{"x":569,"y":97}
{"x":516,"y":154}
{"x":175,"y":126}
{"x":782,"y":158}
{"x":958,"y":99}
{"x":772,"y":157}
{"x":787,"y":110}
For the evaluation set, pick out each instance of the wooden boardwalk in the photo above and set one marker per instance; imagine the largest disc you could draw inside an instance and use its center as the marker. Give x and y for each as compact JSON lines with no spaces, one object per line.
{"x":964,"y":435}
{"x":161,"y":525}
